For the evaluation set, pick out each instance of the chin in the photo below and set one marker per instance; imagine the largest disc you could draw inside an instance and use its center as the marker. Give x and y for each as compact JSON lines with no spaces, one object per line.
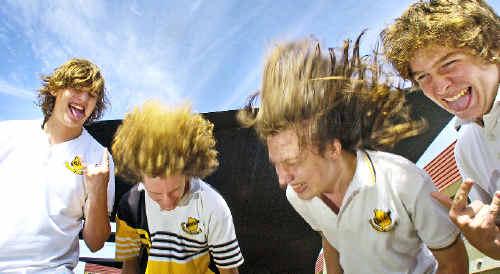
{"x":305,"y":196}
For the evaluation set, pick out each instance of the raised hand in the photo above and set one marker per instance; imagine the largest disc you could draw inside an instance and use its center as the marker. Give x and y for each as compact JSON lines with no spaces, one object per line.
{"x":96,"y":228}
{"x":476,"y":220}
{"x":96,"y":176}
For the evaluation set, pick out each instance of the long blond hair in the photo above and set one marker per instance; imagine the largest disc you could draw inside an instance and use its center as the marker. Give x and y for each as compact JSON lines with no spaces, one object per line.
{"x":324,"y":97}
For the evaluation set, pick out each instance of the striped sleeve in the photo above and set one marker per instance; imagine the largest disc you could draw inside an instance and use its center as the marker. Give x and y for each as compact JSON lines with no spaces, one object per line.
{"x":128,"y":242}
{"x":223,"y":244}
{"x":131,"y":237}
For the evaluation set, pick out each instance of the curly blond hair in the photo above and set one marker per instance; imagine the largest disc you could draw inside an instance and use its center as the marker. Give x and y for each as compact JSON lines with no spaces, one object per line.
{"x":323,"y":99}
{"x":78,"y":74}
{"x":464,"y":24}
{"x":158,"y":141}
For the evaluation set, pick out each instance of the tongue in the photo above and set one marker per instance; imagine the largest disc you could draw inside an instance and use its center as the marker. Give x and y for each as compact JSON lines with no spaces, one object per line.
{"x":461,"y":103}
{"x":78,"y":114}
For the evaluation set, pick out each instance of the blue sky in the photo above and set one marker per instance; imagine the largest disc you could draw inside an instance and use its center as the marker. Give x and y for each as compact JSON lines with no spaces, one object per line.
{"x":207,"y":52}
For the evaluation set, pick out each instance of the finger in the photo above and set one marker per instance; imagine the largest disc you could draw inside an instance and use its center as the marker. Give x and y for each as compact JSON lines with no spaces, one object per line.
{"x":105,"y":158}
{"x":442,"y":198}
{"x":480,"y":218}
{"x":494,"y":208}
{"x":476,"y":205}
{"x":460,"y":200}
{"x":84,"y":165}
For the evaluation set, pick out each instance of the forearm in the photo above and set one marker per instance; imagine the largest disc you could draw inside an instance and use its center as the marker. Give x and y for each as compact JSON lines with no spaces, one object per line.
{"x":452,"y":259}
{"x":228,"y":270}
{"x":331,"y":256}
{"x":96,"y":229}
{"x":130,"y":266}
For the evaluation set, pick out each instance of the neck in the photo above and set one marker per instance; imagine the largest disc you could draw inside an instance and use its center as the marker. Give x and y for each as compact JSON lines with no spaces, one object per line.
{"x":346,"y":168}
{"x":58,"y":133}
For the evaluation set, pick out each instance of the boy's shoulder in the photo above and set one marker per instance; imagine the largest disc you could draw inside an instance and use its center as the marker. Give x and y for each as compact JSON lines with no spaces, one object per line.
{"x":131,"y":204}
{"x":209,"y":195}
{"x":21,"y":126}
{"x":399,"y":171}
{"x":393,"y":162}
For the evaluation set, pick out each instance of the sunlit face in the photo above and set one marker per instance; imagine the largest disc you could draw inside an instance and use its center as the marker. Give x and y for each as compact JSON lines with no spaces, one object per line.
{"x":459,"y":82}
{"x":166,"y":191}
{"x":306,"y":171}
{"x":72,"y":107}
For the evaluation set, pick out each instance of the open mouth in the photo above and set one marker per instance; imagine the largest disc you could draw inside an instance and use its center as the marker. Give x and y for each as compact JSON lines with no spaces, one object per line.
{"x":460,"y":101}
{"x":299,"y":188}
{"x":77,"y":111}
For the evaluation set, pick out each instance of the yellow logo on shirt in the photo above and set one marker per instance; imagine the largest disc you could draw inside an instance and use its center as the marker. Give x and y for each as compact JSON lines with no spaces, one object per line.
{"x":191,"y":226}
{"x":381,"y":220}
{"x":75,"y":166}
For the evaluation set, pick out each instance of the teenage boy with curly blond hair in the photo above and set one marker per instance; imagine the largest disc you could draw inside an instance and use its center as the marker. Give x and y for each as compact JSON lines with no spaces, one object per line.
{"x":172,"y":222}
{"x":56,"y":179}
{"x":450,"y":50}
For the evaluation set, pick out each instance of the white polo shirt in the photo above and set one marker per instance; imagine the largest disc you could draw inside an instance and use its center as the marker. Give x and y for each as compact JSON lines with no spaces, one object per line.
{"x":477,"y":153}
{"x":386,"y":220}
{"x":42,"y":197}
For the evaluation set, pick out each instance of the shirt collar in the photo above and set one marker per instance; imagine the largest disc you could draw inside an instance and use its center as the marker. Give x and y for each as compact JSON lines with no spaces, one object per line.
{"x":363,"y":176}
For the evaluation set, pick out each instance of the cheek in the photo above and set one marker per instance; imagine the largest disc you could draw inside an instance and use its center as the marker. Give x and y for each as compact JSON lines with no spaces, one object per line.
{"x":305,"y":173}
{"x":175,"y":196}
{"x":429,"y":94}
{"x":92,"y":105}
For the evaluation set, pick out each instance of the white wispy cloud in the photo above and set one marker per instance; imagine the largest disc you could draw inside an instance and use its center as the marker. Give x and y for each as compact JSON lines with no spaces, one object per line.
{"x":9,"y":89}
{"x":208,"y":52}
{"x":83,"y":29}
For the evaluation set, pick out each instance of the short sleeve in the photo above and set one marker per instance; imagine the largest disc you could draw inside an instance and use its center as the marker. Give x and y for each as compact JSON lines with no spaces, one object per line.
{"x":222,"y":241}
{"x":130,"y":237}
{"x":467,"y":171}
{"x":127,"y":241}
{"x":431,"y":219}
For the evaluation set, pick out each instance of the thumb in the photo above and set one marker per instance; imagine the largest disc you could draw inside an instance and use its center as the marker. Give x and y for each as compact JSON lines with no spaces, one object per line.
{"x":105,"y":157}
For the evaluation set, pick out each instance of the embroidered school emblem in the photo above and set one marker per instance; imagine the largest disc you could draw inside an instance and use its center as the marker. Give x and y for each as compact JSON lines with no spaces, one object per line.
{"x":381,"y":220}
{"x":191,"y":226}
{"x":75,"y":166}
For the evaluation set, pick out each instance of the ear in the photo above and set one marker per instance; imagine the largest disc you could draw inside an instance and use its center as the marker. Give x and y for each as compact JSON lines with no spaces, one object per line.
{"x":53,"y":93}
{"x":334,"y":149}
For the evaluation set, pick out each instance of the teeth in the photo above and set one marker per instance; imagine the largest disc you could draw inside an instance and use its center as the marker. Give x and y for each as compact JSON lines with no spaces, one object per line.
{"x":454,"y":98}
{"x":78,"y":107}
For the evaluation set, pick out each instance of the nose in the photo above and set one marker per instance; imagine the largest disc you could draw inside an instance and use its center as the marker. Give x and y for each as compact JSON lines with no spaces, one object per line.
{"x":284,"y":176}
{"x":440,"y":84}
{"x":83,"y":95}
{"x":168,"y":202}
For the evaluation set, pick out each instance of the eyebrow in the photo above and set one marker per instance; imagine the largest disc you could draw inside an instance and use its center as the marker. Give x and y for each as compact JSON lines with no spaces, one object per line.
{"x":439,"y":61}
{"x":286,"y":161}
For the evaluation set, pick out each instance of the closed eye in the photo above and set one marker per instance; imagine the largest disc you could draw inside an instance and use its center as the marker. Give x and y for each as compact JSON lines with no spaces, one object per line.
{"x":420,"y":77}
{"x":449,"y":63}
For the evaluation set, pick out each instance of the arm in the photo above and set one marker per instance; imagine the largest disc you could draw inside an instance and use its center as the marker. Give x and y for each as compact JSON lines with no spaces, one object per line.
{"x":331,"y":255}
{"x":476,"y":220}
{"x":448,"y":258}
{"x":131,"y":266}
{"x":96,"y":229}
{"x":228,"y":270}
